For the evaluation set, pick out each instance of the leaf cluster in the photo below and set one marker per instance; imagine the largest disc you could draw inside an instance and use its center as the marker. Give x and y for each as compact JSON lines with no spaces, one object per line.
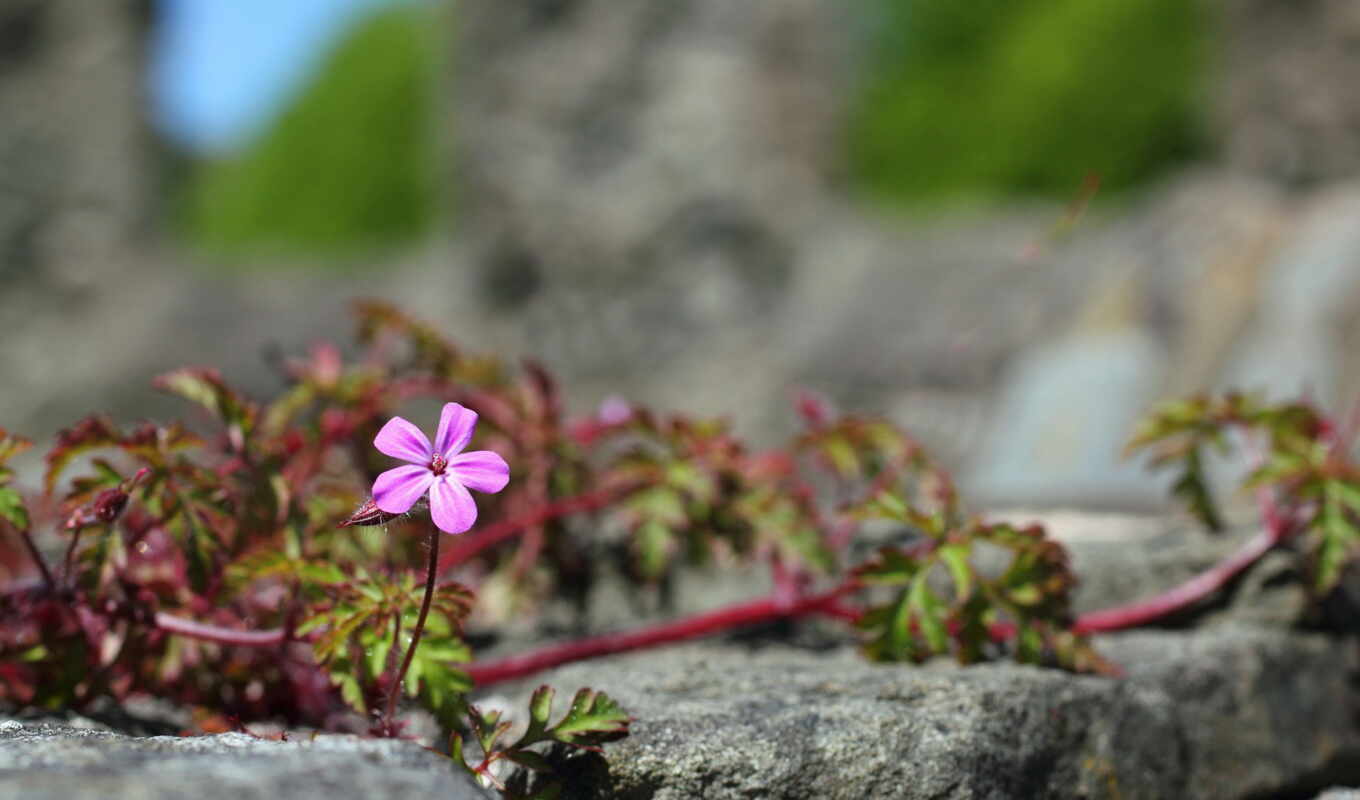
{"x":946,"y":597}
{"x":1302,"y":461}
{"x":243,"y":519}
{"x":364,"y":624}
{"x":593,"y":719}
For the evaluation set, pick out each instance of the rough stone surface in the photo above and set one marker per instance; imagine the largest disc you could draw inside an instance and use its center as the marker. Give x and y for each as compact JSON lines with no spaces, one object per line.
{"x":652,"y":202}
{"x":74,"y":149}
{"x":1291,"y":115}
{"x":1234,"y":712}
{"x":44,"y":761}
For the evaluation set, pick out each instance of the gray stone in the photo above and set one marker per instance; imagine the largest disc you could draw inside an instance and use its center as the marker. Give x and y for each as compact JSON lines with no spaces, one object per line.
{"x":1259,"y":711}
{"x":1229,"y":713}
{"x":1291,"y":115}
{"x":633,"y":175}
{"x":1302,"y":332}
{"x":75,"y":172}
{"x":45,"y":761}
{"x":1066,"y":412}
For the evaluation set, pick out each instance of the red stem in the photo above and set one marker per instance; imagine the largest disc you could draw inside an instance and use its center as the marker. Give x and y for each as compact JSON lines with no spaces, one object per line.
{"x":1277,"y":529}
{"x":763,"y":610}
{"x":34,"y":554}
{"x":213,"y":633}
{"x":1183,"y":596}
{"x":473,"y":543}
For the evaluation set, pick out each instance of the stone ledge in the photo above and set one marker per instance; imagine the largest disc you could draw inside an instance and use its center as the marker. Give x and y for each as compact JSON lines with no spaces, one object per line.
{"x":1228,"y":712}
{"x":45,"y":761}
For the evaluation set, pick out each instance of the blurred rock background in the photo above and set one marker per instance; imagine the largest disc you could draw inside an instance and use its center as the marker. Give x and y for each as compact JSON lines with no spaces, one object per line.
{"x":701,"y":205}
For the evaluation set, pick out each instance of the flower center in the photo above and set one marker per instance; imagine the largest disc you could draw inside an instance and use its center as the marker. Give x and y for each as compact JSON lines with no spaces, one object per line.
{"x":437,"y":464}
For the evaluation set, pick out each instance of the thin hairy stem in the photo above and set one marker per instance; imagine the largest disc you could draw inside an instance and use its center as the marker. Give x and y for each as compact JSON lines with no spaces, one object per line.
{"x":431,"y":573}
{"x":70,"y":554}
{"x":36,"y":555}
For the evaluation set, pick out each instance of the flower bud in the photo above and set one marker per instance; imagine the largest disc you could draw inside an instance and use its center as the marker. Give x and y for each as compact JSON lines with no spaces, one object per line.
{"x":368,"y":514}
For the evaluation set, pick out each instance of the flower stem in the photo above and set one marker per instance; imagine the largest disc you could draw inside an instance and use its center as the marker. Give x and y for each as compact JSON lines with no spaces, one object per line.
{"x":70,"y":554}
{"x":431,"y":573}
{"x":34,"y":553}
{"x":765,"y":609}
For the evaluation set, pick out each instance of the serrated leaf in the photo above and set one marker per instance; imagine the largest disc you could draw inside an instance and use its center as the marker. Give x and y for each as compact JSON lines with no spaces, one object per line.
{"x":1192,"y":487}
{"x":456,"y":750}
{"x":654,"y":544}
{"x":379,"y":651}
{"x":1348,"y":494}
{"x":529,"y":759}
{"x":926,"y":606}
{"x":350,"y":691}
{"x":594,"y":718}
{"x":540,"y":706}
{"x":206,"y":388}
{"x":890,"y":505}
{"x":1339,"y":537}
{"x":11,"y":445}
{"x":841,"y":455}
{"x":90,"y":433}
{"x":955,"y":558}
{"x":321,"y":573}
{"x":891,"y":566}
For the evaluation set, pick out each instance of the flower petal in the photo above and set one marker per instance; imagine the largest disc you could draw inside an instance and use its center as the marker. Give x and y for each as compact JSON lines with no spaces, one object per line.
{"x":451,"y":506}
{"x":482,"y":470}
{"x":400,"y":439}
{"x":456,"y":424}
{"x":397,"y":489}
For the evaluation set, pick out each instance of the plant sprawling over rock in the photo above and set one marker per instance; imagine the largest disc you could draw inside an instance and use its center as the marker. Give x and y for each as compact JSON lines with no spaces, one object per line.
{"x":240,"y":567}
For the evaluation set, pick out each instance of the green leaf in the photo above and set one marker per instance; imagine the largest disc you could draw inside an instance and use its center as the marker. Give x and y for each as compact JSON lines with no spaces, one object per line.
{"x":1339,"y":536}
{"x":529,"y":759}
{"x":326,"y":574}
{"x":1348,"y":494}
{"x":891,"y":566}
{"x":1192,"y":488}
{"x":12,"y":508}
{"x":198,"y":543}
{"x":955,"y":558}
{"x":926,"y":606}
{"x":654,"y":543}
{"x":206,"y":388}
{"x":594,"y":718}
{"x":350,"y":691}
{"x":540,"y":707}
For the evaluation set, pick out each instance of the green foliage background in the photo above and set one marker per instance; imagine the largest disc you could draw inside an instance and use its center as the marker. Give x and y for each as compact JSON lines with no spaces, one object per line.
{"x":350,"y":163}
{"x":963,"y":101}
{"x":970,"y":100}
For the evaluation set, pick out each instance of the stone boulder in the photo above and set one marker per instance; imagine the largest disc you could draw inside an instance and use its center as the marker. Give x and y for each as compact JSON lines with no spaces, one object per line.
{"x":1230,"y":712}
{"x":47,"y":761}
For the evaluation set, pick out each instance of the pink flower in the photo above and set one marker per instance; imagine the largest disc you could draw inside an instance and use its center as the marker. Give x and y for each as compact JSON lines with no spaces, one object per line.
{"x":444,"y":470}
